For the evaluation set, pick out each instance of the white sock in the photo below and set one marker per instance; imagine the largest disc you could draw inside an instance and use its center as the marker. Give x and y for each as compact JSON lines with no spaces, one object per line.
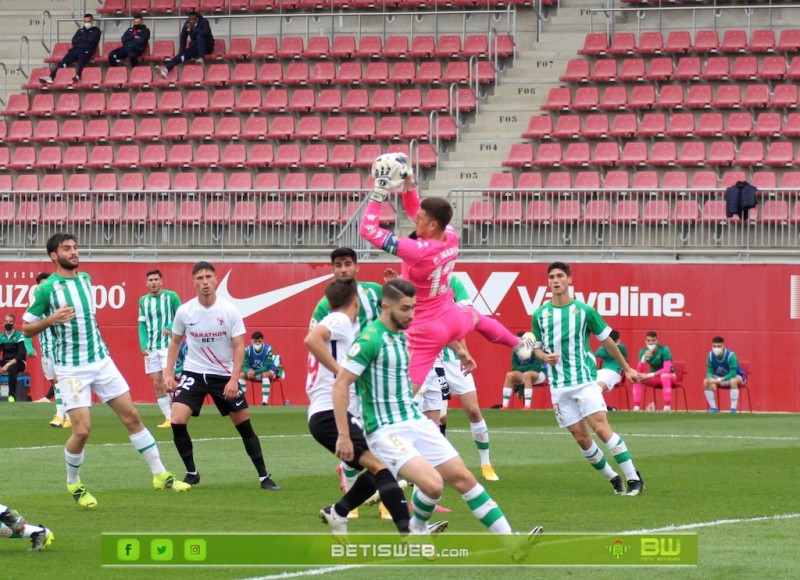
{"x":594,"y":455}
{"x":145,"y":443}
{"x":734,"y":398}
{"x":480,"y":434}
{"x":265,"y":384}
{"x":486,"y":510}
{"x":60,"y":404}
{"x":528,"y":397}
{"x":616,"y":446}
{"x":165,"y":405}
{"x":74,"y":462}
{"x":423,"y":508}
{"x":712,"y":400}
{"x":350,"y":476}
{"x":507,"y":396}
{"x":30,"y":529}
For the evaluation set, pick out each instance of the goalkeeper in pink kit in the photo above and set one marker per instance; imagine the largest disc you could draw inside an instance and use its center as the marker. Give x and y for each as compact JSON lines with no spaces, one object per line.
{"x":429,"y":256}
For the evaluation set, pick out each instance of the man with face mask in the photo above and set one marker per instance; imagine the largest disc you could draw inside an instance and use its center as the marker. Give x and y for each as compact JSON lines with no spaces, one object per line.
{"x":84,"y":45}
{"x":722,"y":370}
{"x":12,"y":344}
{"x":134,"y":43}
{"x":258,"y":366}
{"x":659,"y":358}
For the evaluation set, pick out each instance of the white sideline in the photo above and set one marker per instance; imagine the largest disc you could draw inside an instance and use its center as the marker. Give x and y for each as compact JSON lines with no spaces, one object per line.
{"x":670,"y":528}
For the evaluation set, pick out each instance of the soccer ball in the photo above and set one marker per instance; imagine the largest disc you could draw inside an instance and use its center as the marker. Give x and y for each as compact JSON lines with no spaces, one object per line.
{"x":390,"y":170}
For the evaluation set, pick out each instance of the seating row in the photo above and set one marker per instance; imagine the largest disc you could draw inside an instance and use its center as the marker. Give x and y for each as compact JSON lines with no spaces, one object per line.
{"x":123,"y":7}
{"x":344,"y":46}
{"x":670,"y":182}
{"x":272,"y":74}
{"x":672,"y":96}
{"x":260,"y":155}
{"x":187,"y":211}
{"x":238,"y":182}
{"x":675,"y":125}
{"x":281,"y":127}
{"x":680,"y":42}
{"x":408,"y":100}
{"x":662,"y":153}
{"x":642,"y":182}
{"x":688,"y":68}
{"x":630,"y":211}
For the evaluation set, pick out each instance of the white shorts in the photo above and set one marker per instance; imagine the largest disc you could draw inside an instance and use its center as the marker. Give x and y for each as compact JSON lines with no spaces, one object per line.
{"x":76,"y":384}
{"x":396,"y":444}
{"x":155,"y":361}
{"x":573,"y":404}
{"x":609,"y":377}
{"x":430,"y":399}
{"x":48,"y":368}
{"x":459,"y":384}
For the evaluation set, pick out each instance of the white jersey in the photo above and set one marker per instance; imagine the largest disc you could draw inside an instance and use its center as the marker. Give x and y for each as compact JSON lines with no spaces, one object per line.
{"x":319,"y":383}
{"x":209,"y":334}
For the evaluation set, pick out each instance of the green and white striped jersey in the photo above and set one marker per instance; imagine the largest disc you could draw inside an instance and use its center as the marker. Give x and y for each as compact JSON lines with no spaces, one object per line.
{"x":77,"y":342}
{"x":369,"y":305}
{"x":380,"y":359}
{"x":46,"y":343}
{"x":565,"y":330}
{"x":157,"y":314}
{"x":461,"y":296}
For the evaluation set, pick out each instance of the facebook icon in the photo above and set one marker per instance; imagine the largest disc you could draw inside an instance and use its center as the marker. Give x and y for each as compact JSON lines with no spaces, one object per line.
{"x":127,"y":550}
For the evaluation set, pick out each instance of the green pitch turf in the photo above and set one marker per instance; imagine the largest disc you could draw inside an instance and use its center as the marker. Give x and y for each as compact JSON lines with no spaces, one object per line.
{"x":728,"y":478}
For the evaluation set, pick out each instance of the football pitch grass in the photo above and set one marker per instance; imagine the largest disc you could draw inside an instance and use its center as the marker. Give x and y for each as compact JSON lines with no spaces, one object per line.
{"x":731,"y":479}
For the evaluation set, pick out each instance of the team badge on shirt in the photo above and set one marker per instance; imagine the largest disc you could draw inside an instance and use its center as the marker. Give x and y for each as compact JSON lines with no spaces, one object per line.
{"x":354,"y":350}
{"x":220,"y":320}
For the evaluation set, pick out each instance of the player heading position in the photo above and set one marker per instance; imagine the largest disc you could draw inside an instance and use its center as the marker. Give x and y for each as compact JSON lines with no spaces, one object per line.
{"x":157,"y":309}
{"x":397,"y":433}
{"x":214,"y":332}
{"x":428,"y":259}
{"x":64,"y":304}
{"x":328,"y":343}
{"x":563,"y":326}
{"x":14,"y":526}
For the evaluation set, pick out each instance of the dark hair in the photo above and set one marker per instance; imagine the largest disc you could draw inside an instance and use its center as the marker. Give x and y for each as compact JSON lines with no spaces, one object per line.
{"x":559,"y":266}
{"x":340,"y":292}
{"x":257,"y":335}
{"x":42,"y":276}
{"x":718,"y":339}
{"x":57,"y":239}
{"x":614,"y":335}
{"x":137,"y":15}
{"x":439,"y":210}
{"x":87,"y":15}
{"x":154,"y":273}
{"x":397,"y":289}
{"x":652,"y":334}
{"x":194,"y":13}
{"x":203,"y":266}
{"x":344,"y":253}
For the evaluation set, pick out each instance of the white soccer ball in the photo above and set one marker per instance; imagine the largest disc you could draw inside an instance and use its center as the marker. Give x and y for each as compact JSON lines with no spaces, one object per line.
{"x":390,"y":170}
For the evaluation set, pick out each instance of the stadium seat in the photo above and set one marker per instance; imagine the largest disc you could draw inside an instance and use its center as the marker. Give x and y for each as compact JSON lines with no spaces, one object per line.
{"x":692,"y":153}
{"x":761,"y":41}
{"x":297,"y":73}
{"x":49,"y":158}
{"x":750,"y":153}
{"x":739,"y":125}
{"x":758,"y":96}
{"x":324,"y":73}
{"x":746,"y":68}
{"x":567,"y":127}
{"x":213,"y":182}
{"x":595,"y":44}
{"x":689,"y":69}
{"x":784,"y":97}
{"x":17,"y":105}
{"x":576,"y":155}
{"x":547,"y":155}
{"x":93,"y":104}
{"x":234,"y":155}
{"x":349,"y":73}
{"x":224,"y":101}
{"x":714,"y":212}
{"x":344,"y":47}
{"x":389,"y":128}
{"x":127,"y":156}
{"x":632,"y":70}
{"x":773,"y":120}
{"x":686,"y":211}
{"x":509,"y":212}
{"x":645,"y":181}
{"x":709,"y":125}
{"x":623,"y":126}
{"x":219,"y":74}
{"x":315,"y":155}
{"x":430,"y":73}
{"x":422,"y":46}
{"x":793,"y":72}
{"x":481,"y":212}
{"x":616,"y":181}
{"x":318,"y":47}
{"x":622,"y":43}
{"x":396,"y":46}
{"x":383,"y":101}
{"x":75,"y":157}
{"x":775,"y":211}
{"x":653,"y":125}
{"x":22,"y":158}
{"x":377,"y":73}
{"x":730,"y":177}
{"x":46,"y":131}
{"x":772,"y":68}
{"x":788,"y":41}
{"x":588,"y":99}
{"x":180,"y":155}
{"x":650,"y":42}
{"x":634,"y":154}
{"x":367,"y":154}
{"x":598,"y":211}
{"x":201,"y":128}
{"x":765,"y":181}
{"x":410,"y":101}
{"x":699,"y":96}
{"x":558,"y":99}
{"x":705,"y":42}
{"x":604,"y":71}
{"x":781,"y":154}
{"x":577,"y":71}
{"x":240,"y":48}
{"x":155,"y":155}
{"x":558,"y":183}
{"x":717,"y":68}
{"x":539,"y":212}
{"x":149,"y":129}
{"x":656,"y":211}
{"x":642,"y":97}
{"x":664,"y":153}
{"x":207,"y":155}
{"x":245,"y":212}
{"x":288,"y":156}
{"x":21,"y":131}
{"x":659,"y":70}
{"x":567,"y":211}
{"x":595,"y":127}
{"x":675,"y":182}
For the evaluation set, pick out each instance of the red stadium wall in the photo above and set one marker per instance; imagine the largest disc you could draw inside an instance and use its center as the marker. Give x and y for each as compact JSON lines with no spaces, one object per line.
{"x":756,"y":308}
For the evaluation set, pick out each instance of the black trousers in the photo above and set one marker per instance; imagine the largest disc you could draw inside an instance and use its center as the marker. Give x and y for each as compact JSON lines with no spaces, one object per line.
{"x":74,"y":54}
{"x":116,"y":56}
{"x":14,"y":389}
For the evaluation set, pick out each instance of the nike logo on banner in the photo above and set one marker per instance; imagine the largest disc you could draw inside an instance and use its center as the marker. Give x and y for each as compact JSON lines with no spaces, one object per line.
{"x":249,"y":306}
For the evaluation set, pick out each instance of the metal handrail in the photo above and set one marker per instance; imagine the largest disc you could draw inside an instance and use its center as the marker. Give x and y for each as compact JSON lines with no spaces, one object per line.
{"x":24,"y":69}
{"x":5,"y":83}
{"x":454,"y":108}
{"x":46,"y":15}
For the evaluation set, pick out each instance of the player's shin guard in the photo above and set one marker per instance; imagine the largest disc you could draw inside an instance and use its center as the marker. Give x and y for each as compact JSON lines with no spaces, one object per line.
{"x":594,"y":455}
{"x":486,"y":510}
{"x":183,"y":443}
{"x":253,"y":446}
{"x":496,"y":332}
{"x":424,"y":507}
{"x":74,"y":462}
{"x":480,"y":434}
{"x":616,"y":446}
{"x":361,"y":491}
{"x":394,"y":499}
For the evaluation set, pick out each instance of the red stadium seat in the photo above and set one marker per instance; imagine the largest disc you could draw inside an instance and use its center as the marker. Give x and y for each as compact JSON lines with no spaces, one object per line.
{"x":634,"y":154}
{"x":606,"y":154}
{"x":567,"y":127}
{"x":706,"y":41}
{"x":604,"y":71}
{"x":689,"y":68}
{"x":660,"y":69}
{"x":317,"y":47}
{"x":721,"y":153}
{"x":710,"y":125}
{"x":700,"y":96}
{"x":207,"y":155}
{"x":624,"y":126}
{"x":324,"y":73}
{"x":595,"y":127}
{"x":224,"y":101}
{"x":595,"y":44}
{"x":653,"y":125}
{"x":632,"y":70}
{"x":739,"y":125}
{"x":762,"y":41}
{"x":692,"y":153}
{"x":201,"y":128}
{"x":664,"y":153}
{"x":650,"y":43}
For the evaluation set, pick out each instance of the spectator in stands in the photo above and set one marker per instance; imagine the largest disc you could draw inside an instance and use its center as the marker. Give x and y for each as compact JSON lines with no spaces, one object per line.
{"x":722,"y":370}
{"x":84,"y":45}
{"x":522,"y":377}
{"x":196,"y":41}
{"x":14,"y":353}
{"x":659,"y":357}
{"x":134,"y":43}
{"x":609,"y":376}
